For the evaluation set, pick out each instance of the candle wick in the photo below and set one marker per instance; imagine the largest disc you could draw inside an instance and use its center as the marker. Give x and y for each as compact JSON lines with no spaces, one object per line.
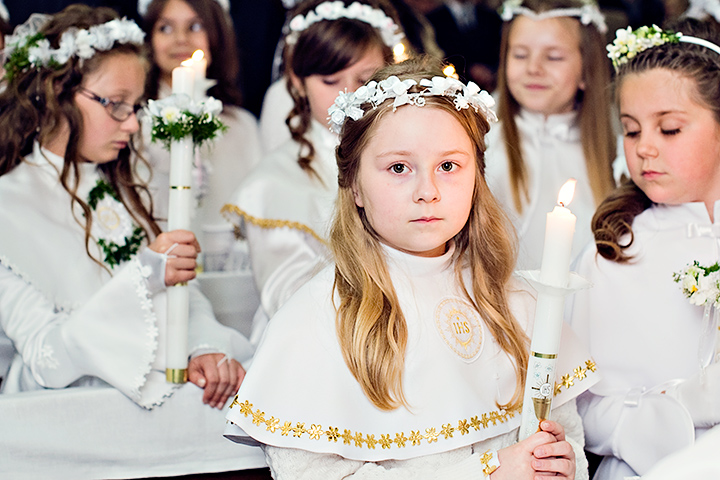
{"x":561,"y":204}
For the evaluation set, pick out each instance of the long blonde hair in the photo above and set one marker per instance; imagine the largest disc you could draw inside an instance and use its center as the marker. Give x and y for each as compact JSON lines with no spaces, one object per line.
{"x":593,"y":104}
{"x":371,"y":327}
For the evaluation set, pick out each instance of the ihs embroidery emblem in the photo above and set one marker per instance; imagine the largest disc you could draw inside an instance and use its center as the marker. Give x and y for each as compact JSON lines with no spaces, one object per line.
{"x":460,"y":327}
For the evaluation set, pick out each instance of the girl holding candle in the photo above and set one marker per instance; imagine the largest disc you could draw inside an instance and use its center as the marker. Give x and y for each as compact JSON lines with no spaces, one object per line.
{"x":660,"y":389}
{"x":175,"y":30}
{"x":555,"y":117}
{"x":419,"y":323}
{"x":83,"y":265}
{"x":285,"y":206}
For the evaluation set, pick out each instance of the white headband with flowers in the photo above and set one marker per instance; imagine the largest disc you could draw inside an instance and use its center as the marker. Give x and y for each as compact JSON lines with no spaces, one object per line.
{"x":587,"y":14}
{"x":142,"y":6}
{"x":348,"y":104}
{"x":389,"y":31}
{"x":629,"y":43}
{"x":700,"y":9}
{"x":27,"y":46}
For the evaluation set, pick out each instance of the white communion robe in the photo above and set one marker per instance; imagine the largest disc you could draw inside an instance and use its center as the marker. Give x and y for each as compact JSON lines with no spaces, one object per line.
{"x":553,"y":153}
{"x":643,"y":333}
{"x":285,"y":213}
{"x":75,"y":324}
{"x":454,"y":374}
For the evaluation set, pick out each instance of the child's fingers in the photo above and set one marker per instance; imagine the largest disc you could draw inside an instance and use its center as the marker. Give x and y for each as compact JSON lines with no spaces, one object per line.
{"x":550,"y":467}
{"x":555,"y":458}
{"x":554,"y":429}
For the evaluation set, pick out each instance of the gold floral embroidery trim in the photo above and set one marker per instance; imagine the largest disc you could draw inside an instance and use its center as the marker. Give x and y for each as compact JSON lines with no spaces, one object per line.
{"x":579,"y":373}
{"x":371,"y":441}
{"x":266,"y":223}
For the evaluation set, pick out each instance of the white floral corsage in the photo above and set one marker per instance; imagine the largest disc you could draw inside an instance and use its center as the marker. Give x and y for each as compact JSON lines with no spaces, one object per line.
{"x":700,"y":284}
{"x":177,"y":116}
{"x":348,"y":104}
{"x":112,"y":226}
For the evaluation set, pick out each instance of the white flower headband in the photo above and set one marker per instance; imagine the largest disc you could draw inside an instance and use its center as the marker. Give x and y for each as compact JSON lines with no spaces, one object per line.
{"x":699,"y":9}
{"x":588,"y":13}
{"x":348,"y":104}
{"x":142,"y":6}
{"x":389,"y":31}
{"x":27,"y":46}
{"x":629,"y":43}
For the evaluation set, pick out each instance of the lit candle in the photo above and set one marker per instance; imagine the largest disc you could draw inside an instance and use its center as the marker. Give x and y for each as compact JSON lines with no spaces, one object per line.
{"x":559,"y":231}
{"x":199,"y":66}
{"x":547,"y":329}
{"x":179,"y":207}
{"x":183,"y":79}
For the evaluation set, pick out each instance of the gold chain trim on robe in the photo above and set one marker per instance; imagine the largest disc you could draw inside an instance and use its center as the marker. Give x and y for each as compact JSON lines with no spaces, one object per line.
{"x":267,"y":223}
{"x":385,"y":440}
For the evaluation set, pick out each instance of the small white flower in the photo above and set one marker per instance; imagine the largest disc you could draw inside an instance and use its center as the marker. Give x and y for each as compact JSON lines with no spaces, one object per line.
{"x":170,"y":114}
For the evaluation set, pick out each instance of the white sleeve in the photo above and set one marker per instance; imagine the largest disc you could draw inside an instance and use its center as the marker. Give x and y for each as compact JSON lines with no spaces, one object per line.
{"x":567,"y":415}
{"x":287,"y":463}
{"x":282,"y":259}
{"x":112,"y":336}
{"x":627,"y":426}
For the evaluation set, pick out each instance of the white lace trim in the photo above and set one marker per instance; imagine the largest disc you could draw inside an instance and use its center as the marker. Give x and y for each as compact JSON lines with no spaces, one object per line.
{"x":139,"y":274}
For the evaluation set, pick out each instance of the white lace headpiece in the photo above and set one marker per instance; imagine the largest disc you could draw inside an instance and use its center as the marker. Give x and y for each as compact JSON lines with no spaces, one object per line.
{"x":700,"y":9}
{"x":348,"y":104}
{"x":587,"y":14}
{"x":389,"y":31}
{"x":27,"y":46}
{"x":142,"y":6}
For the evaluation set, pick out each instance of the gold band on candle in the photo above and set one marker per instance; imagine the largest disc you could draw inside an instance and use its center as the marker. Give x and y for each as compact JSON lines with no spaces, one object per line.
{"x":549,"y":356}
{"x":181,"y":284}
{"x":180,"y":187}
{"x":176,"y":375}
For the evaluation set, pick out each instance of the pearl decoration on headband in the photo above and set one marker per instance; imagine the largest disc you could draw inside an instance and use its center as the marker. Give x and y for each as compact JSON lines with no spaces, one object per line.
{"x":587,"y":14}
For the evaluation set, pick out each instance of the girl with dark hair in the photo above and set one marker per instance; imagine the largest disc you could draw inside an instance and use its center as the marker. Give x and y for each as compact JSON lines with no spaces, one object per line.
{"x":284,"y":207}
{"x":175,"y":29}
{"x":655,"y":346}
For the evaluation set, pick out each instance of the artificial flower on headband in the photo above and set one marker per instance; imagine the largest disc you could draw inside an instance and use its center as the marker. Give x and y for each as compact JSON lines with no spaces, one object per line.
{"x":587,"y":14}
{"x":699,"y":9}
{"x":142,"y":6}
{"x":628,"y":43}
{"x":348,"y":104}
{"x":27,"y":46}
{"x":389,"y":31}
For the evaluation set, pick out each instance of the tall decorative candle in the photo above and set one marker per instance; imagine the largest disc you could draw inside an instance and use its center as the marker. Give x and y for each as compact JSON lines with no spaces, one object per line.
{"x":552,"y":287}
{"x":179,"y":207}
{"x":199,"y":66}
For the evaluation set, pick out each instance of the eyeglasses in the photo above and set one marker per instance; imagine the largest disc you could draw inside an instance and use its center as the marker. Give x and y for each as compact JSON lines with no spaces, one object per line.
{"x":119,"y":111}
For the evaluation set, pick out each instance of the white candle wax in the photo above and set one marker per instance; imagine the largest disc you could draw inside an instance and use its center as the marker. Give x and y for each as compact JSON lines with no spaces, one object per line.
{"x":176,"y":353}
{"x":199,"y":66}
{"x":559,"y":231}
{"x":183,"y":80}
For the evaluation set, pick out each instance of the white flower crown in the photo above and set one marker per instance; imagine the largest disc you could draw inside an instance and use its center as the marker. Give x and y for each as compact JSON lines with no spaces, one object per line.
{"x":588,"y":13}
{"x":389,"y":31}
{"x":700,"y":9}
{"x":27,"y":46}
{"x":142,"y":6}
{"x":628,"y":43}
{"x":348,"y":104}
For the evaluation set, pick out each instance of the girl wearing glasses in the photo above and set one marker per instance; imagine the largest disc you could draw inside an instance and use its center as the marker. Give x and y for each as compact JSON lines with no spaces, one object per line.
{"x":83,"y":265}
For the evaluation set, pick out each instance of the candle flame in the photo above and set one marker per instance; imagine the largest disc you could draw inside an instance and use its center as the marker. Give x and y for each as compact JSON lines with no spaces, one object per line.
{"x":399,"y":54}
{"x":566,"y":193}
{"x":449,"y":71}
{"x":198,"y":55}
